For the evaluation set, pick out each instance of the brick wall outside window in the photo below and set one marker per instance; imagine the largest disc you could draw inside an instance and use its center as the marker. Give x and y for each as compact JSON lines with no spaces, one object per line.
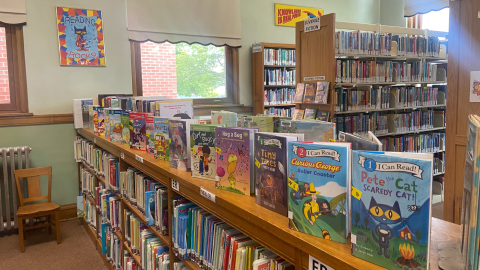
{"x":159,"y":72}
{"x":4,"y":86}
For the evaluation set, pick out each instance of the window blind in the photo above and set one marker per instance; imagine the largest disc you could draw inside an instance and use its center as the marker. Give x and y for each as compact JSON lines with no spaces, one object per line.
{"x":13,"y":11}
{"x":414,"y":7}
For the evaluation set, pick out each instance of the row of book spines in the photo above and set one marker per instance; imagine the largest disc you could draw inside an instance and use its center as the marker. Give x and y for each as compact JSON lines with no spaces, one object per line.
{"x":280,"y":112}
{"x":417,"y":143}
{"x":279,"y":77}
{"x":369,"y":43}
{"x":279,"y":96}
{"x":349,"y":71}
{"x":280,"y":57}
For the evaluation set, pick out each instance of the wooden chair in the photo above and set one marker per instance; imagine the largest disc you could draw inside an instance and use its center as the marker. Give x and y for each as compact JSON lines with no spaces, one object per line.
{"x":39,"y":209}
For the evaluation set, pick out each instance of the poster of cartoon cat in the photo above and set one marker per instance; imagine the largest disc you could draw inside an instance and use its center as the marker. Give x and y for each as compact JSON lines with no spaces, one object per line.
{"x":80,"y":37}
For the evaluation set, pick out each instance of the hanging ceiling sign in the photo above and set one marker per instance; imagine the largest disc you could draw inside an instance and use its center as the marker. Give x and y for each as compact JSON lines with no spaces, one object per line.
{"x":286,"y":15}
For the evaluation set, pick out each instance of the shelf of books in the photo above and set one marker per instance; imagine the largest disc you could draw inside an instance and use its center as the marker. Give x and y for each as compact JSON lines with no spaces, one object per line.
{"x":217,"y":196}
{"x":273,"y":78}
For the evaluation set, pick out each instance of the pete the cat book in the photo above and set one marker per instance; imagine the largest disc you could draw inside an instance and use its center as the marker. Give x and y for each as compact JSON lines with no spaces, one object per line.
{"x":391,"y":210}
{"x":317,"y":189}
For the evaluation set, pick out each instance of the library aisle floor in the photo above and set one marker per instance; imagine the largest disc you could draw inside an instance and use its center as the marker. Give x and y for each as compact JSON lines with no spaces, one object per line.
{"x":42,"y":252}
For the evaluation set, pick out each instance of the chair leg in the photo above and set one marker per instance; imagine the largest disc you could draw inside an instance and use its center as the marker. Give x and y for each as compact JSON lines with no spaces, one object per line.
{"x":49,"y":221}
{"x":20,"y":234}
{"x":24,"y":230}
{"x":57,"y":225}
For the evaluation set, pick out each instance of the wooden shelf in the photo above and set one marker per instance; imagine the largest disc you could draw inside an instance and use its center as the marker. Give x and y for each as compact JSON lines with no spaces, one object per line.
{"x":191,"y":264}
{"x":135,"y":256}
{"x":266,"y":227}
{"x":409,"y":132}
{"x":92,"y":171}
{"x":279,"y":105}
{"x":391,"y":109}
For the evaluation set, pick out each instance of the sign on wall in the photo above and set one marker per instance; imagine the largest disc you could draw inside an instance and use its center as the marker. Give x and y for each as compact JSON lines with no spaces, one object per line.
{"x":286,"y":15}
{"x":80,"y":37}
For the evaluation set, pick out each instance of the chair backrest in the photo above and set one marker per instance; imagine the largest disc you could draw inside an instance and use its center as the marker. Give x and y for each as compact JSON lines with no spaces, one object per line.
{"x":33,"y":180}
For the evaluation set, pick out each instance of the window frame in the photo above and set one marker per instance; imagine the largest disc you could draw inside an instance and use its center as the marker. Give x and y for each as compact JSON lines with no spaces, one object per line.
{"x":16,"y":71}
{"x":231,"y":77}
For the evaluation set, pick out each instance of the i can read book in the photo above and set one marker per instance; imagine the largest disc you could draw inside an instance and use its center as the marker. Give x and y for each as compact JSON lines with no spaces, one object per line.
{"x":138,"y":137}
{"x":161,"y":138}
{"x":234,"y":158}
{"x":115,"y":125}
{"x":150,"y":135}
{"x":315,"y":131}
{"x":203,"y":160}
{"x":179,"y":132}
{"x":224,"y":117}
{"x":391,"y":208}
{"x":125,"y":121}
{"x":264,"y":123}
{"x":317,"y":189}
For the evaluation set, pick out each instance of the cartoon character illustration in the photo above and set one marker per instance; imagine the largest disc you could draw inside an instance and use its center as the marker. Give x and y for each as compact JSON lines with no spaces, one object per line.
{"x":385,"y":215}
{"x":220,"y":119}
{"x":201,"y":158}
{"x":160,"y":144}
{"x":206,"y":158}
{"x":117,"y":132}
{"x":232,"y":167}
{"x":311,"y":210}
{"x":81,"y":42}
{"x":125,"y":134}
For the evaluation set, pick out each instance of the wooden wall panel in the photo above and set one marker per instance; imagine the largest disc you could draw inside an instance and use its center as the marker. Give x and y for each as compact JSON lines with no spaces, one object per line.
{"x":463,"y":55}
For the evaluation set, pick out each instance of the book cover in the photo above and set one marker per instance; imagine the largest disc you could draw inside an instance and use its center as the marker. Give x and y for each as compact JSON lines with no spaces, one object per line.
{"x":99,"y":121}
{"x":81,"y":112}
{"x":224,"y":117}
{"x":318,"y":131}
{"x":92,"y":115}
{"x":150,"y":207}
{"x":179,"y":132}
{"x":310,"y":113}
{"x":299,"y":93}
{"x":138,"y":133}
{"x":162,"y":138}
{"x":234,"y":156}
{"x":309,"y":95}
{"x":323,"y":115}
{"x":115,"y":125}
{"x":270,"y":172}
{"x":391,"y":208}
{"x":317,"y":189}
{"x":106,"y":112}
{"x":298,"y":114}
{"x":150,"y":135}
{"x":175,"y":108}
{"x":125,"y":121}
{"x":321,"y":96}
{"x":203,"y":151}
{"x":359,"y":143}
{"x":264,"y":123}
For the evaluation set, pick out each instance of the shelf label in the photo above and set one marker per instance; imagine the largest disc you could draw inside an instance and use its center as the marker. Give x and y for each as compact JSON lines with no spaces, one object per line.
{"x":207,"y":194}
{"x":314,"y":264}
{"x":256,"y":47}
{"x":175,"y":185}
{"x":312,"y":24}
{"x":94,"y":139}
{"x":139,"y":158}
{"x":316,"y":78}
{"x":122,"y":155}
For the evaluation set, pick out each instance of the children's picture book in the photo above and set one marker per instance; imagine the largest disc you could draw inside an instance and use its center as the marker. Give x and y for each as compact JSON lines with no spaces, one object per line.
{"x":321,"y":96}
{"x":224,"y":117}
{"x":315,"y":131}
{"x":175,"y":108}
{"x":92,"y":114}
{"x":298,"y":114}
{"x":150,"y":207}
{"x":150,"y":135}
{"x":299,"y":93}
{"x":323,"y":115}
{"x":264,"y":123}
{"x":391,"y":208}
{"x":161,"y":138}
{"x":309,"y":95}
{"x":234,"y":158}
{"x":115,"y":125}
{"x":310,"y":113}
{"x":100,"y":122}
{"x":271,"y":163}
{"x":318,"y":192}
{"x":125,"y":121}
{"x":371,"y":143}
{"x":203,"y":160}
{"x":180,"y":144}
{"x":81,"y":112}
{"x":138,"y":131}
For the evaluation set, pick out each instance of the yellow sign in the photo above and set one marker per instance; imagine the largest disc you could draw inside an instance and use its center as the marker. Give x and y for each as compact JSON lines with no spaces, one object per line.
{"x":292,"y":184}
{"x":356,"y":193}
{"x":286,"y":15}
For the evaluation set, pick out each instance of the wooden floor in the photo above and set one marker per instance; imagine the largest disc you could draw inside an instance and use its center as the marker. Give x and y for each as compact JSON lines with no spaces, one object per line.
{"x":42,"y":252}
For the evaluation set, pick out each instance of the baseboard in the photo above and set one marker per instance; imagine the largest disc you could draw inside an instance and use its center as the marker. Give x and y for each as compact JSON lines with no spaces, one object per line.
{"x":68,"y":211}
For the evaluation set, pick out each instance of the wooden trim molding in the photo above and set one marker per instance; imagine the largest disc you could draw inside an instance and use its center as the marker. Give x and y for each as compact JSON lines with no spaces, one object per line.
{"x":30,"y":120}
{"x":68,"y":211}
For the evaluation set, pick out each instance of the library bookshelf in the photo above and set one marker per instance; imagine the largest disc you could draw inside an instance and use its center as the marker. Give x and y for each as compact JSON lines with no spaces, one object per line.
{"x":316,"y":56}
{"x":259,"y":79}
{"x":266,"y":227}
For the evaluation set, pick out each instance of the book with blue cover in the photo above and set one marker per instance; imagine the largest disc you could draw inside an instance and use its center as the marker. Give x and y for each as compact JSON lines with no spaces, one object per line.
{"x":150,"y":207}
{"x":391,"y":208}
{"x":315,"y":131}
{"x":318,"y":192}
{"x":115,"y":125}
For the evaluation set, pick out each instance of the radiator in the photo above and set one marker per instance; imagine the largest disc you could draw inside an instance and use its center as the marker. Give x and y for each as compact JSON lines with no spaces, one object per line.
{"x":11,"y":157}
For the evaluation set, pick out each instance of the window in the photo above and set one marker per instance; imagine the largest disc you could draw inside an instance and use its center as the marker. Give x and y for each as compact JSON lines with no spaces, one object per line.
{"x":436,"y":20}
{"x":13,"y":90}
{"x":204,"y":73}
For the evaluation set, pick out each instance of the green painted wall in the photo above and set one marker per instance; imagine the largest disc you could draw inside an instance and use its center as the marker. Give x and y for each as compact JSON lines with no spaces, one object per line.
{"x":391,"y":13}
{"x":52,"y":145}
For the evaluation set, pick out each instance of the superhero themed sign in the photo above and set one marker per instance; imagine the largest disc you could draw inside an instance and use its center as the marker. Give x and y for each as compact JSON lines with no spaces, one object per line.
{"x":286,"y":15}
{"x":80,"y":37}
